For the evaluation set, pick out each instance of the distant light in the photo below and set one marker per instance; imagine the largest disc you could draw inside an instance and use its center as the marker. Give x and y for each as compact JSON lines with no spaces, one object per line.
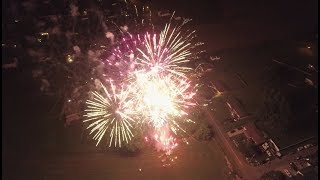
{"x":44,"y":34}
{"x":39,"y":40}
{"x":309,"y":47}
{"x":140,"y":169}
{"x":16,"y":20}
{"x":69,"y":59}
{"x":3,"y":44}
{"x":69,"y":100}
{"x":15,"y":46}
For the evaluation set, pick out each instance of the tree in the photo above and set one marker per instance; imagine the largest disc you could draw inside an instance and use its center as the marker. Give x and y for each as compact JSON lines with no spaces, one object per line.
{"x":246,"y":148}
{"x":69,"y":49}
{"x":273,"y":175}
{"x":274,"y":112}
{"x":203,"y":132}
{"x":136,"y":144}
{"x":197,"y":116}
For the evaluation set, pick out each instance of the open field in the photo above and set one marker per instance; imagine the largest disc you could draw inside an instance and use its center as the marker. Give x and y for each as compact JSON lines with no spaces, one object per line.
{"x":194,"y":161}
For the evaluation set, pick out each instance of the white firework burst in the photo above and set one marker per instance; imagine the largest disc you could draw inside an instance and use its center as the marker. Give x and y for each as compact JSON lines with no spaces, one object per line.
{"x":110,"y":113}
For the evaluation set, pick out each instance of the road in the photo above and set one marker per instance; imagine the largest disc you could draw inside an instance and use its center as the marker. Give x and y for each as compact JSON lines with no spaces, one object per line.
{"x":245,"y":170}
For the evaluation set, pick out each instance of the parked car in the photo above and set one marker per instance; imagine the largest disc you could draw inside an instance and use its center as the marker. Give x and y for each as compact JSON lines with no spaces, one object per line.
{"x":307,"y":146}
{"x":300,"y":148}
{"x":299,"y":157}
{"x":287,"y":173}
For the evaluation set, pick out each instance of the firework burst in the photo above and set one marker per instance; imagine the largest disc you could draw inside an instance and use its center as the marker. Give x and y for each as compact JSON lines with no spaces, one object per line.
{"x":162,"y":100}
{"x":168,"y":52}
{"x":110,"y":113}
{"x":154,"y":66}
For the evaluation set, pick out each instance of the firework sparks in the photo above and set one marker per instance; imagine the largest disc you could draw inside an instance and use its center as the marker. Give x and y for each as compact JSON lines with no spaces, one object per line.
{"x":165,"y":53}
{"x":110,"y":113}
{"x":162,"y":98}
{"x":123,"y":55}
{"x":164,"y":141}
{"x":168,"y":52}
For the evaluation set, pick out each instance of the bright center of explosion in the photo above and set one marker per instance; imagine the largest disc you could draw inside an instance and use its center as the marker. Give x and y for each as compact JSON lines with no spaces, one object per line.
{"x":158,"y":101}
{"x":157,"y":97}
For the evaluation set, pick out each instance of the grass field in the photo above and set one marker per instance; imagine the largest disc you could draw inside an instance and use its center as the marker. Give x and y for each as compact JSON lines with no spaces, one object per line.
{"x":194,"y":161}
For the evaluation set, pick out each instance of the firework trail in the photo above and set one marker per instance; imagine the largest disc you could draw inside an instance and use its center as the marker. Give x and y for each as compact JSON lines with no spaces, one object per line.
{"x":111,"y":113}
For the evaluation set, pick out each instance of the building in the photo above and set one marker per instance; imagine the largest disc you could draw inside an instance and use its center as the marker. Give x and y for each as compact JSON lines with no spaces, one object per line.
{"x":235,"y":132}
{"x":250,"y":131}
{"x":270,"y":148}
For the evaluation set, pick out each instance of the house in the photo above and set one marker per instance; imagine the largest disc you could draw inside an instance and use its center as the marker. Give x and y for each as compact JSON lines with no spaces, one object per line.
{"x":235,"y":132}
{"x":71,"y":111}
{"x":270,"y":148}
{"x":251,"y":132}
{"x":71,"y":118}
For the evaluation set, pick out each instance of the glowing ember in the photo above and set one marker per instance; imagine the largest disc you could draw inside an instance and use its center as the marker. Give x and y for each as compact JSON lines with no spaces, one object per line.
{"x":164,"y":141}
